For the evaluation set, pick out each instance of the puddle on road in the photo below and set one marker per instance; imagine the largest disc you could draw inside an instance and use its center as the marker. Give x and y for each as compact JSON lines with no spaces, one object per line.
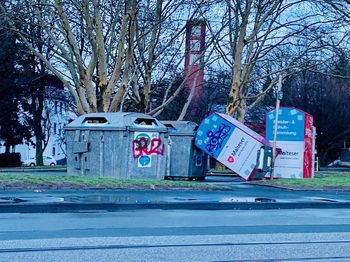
{"x":321,"y":199}
{"x":248,"y":200}
{"x":264,"y":200}
{"x":132,"y":199}
{"x":44,"y":199}
{"x":100,"y":199}
{"x":242,"y":185}
{"x":9,"y":200}
{"x":185,"y":199}
{"x":271,"y":200}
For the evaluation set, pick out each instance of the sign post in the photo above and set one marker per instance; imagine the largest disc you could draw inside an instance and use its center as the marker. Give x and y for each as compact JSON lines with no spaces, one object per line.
{"x":279,"y":97}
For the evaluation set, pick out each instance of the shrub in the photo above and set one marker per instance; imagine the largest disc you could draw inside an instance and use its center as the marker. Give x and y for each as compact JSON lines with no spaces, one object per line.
{"x":10,"y":160}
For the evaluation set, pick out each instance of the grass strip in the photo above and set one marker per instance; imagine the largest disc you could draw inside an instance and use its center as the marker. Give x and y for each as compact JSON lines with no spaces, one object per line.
{"x":27,"y":181}
{"x":327,"y":181}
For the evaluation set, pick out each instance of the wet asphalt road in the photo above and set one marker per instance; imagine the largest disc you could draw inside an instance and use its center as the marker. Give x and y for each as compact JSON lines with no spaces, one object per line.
{"x":238,"y":191}
{"x":177,"y":235}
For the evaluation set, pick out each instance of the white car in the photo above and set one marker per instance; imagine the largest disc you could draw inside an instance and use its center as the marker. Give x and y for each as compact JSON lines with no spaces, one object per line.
{"x":48,"y":161}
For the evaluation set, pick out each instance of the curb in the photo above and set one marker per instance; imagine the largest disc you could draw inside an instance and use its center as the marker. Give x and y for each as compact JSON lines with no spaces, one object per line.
{"x":272,"y":186}
{"x":110,"y":207}
{"x":301,"y":189}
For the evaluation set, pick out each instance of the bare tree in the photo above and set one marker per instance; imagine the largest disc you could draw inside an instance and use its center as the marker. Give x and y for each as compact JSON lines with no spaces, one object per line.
{"x":110,"y":52}
{"x":163,"y":58}
{"x":267,"y":38}
{"x":93,"y":47}
{"x":107,"y":51}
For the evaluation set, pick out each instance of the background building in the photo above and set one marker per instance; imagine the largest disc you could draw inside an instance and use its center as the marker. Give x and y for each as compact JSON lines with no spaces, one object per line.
{"x":58,"y":110}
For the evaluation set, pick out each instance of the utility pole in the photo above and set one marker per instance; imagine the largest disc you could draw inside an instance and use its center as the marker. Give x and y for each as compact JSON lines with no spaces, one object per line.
{"x":279,"y":97}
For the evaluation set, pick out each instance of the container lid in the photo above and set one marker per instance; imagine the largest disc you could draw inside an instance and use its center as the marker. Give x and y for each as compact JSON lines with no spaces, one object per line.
{"x":180,"y":127}
{"x":117,"y":121}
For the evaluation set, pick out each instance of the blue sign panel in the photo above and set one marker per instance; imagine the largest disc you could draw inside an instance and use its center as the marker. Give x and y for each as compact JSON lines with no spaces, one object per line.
{"x":213,"y":134}
{"x":290,"y":125}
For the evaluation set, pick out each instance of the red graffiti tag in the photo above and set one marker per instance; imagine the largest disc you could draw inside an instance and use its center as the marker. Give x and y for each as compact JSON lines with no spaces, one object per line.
{"x":140,"y":147}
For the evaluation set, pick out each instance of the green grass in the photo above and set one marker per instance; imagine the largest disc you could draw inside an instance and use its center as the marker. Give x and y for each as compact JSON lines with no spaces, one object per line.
{"x":338,"y":181}
{"x":27,"y":181}
{"x":220,"y":169}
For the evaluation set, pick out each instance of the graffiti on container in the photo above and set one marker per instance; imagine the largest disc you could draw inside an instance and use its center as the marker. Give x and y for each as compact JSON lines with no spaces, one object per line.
{"x":217,"y":137}
{"x":146,"y":146}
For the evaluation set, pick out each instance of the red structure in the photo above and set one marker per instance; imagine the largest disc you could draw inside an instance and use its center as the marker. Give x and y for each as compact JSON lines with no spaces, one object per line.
{"x":308,"y":168}
{"x":195,"y":44}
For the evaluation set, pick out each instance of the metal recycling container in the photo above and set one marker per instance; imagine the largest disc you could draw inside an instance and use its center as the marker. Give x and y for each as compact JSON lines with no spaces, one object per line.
{"x":185,"y":160}
{"x":120,"y":145}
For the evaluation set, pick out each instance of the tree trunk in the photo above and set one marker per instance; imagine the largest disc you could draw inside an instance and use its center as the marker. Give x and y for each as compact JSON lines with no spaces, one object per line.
{"x":189,"y":99}
{"x":7,"y":148}
{"x":39,"y":151}
{"x":241,"y":110}
{"x":37,"y":111}
{"x":235,"y":104}
{"x":323,"y":157}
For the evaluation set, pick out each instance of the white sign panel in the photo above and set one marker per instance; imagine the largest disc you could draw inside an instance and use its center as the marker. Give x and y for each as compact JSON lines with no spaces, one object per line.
{"x":239,"y":153}
{"x":289,"y":164}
